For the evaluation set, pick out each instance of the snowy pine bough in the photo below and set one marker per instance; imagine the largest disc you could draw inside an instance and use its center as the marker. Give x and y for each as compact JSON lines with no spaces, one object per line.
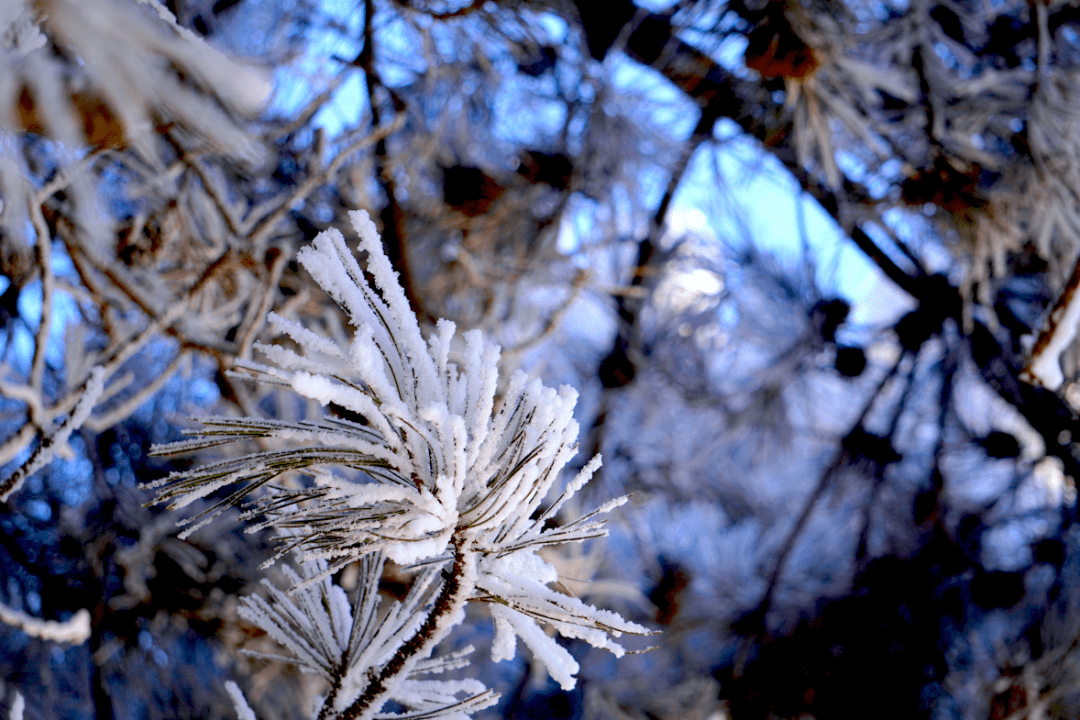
{"x":435,"y":477}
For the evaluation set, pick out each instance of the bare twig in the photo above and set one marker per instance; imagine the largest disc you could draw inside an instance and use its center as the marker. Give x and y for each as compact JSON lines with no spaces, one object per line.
{"x":257,"y":226}
{"x":41,"y":341}
{"x":257,"y":318}
{"x":97,"y":423}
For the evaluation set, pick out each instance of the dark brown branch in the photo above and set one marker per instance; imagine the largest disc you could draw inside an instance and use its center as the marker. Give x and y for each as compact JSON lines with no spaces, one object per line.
{"x":391,"y":217}
{"x":756,"y":619}
{"x":721,"y":94}
{"x":444,"y":604}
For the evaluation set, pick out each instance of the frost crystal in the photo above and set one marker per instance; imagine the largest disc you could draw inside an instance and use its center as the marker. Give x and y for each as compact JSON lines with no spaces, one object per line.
{"x":435,"y":476}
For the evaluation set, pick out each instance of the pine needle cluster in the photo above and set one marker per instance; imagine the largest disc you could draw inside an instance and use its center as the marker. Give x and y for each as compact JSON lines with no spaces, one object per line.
{"x":431,"y":474}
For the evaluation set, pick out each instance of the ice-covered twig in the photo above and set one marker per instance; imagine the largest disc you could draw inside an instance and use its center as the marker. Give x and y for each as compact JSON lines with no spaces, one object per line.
{"x":75,"y":629}
{"x":1058,"y":333}
{"x":44,"y":452}
{"x":18,"y":706}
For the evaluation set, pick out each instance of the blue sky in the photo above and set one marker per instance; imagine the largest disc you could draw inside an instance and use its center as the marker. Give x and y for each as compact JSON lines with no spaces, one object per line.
{"x":732,"y":192}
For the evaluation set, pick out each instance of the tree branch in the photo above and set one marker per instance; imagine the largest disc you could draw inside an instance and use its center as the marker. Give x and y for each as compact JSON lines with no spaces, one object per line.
{"x":458,"y":587}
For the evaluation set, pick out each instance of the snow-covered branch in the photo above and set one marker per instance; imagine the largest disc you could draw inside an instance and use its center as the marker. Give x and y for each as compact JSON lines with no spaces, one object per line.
{"x":435,"y":475}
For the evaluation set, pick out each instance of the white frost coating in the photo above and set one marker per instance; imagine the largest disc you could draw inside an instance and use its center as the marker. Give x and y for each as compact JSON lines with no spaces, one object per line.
{"x":440,"y":692}
{"x":504,"y":646}
{"x":18,"y":706}
{"x":387,"y":280}
{"x":524,"y":564}
{"x":1046,"y":364}
{"x":579,"y":481}
{"x":95,"y":385}
{"x":521,"y":584}
{"x":324,"y":390}
{"x":74,"y":630}
{"x":43,"y":455}
{"x":449,"y":484}
{"x":243,"y":710}
{"x":435,"y":419}
{"x":307,"y":338}
{"x":559,"y":662}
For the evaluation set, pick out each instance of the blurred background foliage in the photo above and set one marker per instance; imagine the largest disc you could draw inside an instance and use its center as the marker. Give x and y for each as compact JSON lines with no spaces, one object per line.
{"x":811,"y":265}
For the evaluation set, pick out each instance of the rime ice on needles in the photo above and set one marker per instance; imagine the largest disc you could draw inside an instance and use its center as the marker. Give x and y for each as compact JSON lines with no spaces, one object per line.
{"x":448,"y":482}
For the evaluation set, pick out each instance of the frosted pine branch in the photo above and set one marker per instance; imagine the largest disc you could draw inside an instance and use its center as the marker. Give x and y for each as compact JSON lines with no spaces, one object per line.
{"x":435,"y":476}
